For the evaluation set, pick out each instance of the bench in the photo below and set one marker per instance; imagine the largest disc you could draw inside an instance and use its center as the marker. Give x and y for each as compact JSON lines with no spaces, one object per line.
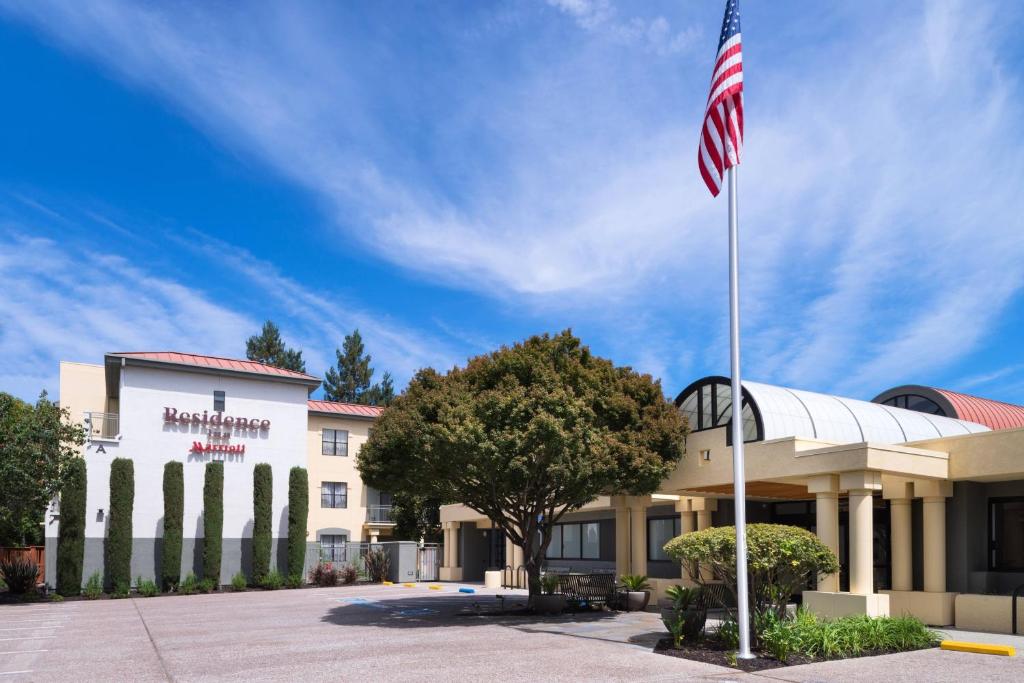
{"x":589,"y":589}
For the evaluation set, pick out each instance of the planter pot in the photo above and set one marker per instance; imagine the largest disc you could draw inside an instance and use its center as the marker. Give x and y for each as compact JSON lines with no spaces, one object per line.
{"x":637,"y":600}
{"x":548,"y":604}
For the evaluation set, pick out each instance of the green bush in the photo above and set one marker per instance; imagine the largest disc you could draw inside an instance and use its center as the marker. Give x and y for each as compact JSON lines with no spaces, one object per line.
{"x":207,"y":585}
{"x":347,"y":574}
{"x":93,"y":587}
{"x":854,"y":636}
{"x":324,"y":574}
{"x":298,"y":513}
{"x":272,"y":581}
{"x":378,"y":565}
{"x":781,"y":560}
{"x":189,"y":585}
{"x":119,"y":535}
{"x":146,"y":588}
{"x":174,"y":507}
{"x":121,"y":589}
{"x":19,"y":573}
{"x":56,"y":597}
{"x":294,"y":581}
{"x":71,"y":531}
{"x":239,"y":582}
{"x":262,"y":526}
{"x":635,"y":582}
{"x":213,"y":520}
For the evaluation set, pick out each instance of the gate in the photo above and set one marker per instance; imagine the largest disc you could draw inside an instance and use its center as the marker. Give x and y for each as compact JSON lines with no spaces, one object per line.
{"x":428,"y":560}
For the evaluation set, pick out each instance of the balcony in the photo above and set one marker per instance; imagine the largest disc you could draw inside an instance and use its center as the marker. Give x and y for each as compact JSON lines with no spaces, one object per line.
{"x":102,"y":426}
{"x":379,"y":514}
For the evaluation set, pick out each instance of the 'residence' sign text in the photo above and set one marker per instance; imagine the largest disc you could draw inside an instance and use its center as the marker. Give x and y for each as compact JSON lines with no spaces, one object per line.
{"x":171,"y":415}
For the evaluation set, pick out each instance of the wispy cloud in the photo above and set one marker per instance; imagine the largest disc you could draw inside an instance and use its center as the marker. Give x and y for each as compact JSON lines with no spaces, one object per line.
{"x":655,"y":34}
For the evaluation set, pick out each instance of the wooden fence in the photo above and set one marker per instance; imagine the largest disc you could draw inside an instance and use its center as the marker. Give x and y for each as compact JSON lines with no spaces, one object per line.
{"x":36,"y":553}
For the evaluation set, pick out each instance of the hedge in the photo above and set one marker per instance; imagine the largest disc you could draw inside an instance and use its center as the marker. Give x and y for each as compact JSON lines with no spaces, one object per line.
{"x":298,"y":512}
{"x":262,"y":497}
{"x":119,"y":535}
{"x":174,"y":505}
{"x":213,"y":520}
{"x":71,"y":532}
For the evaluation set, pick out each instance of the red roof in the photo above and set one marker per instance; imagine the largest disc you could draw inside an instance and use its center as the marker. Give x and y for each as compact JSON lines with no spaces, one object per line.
{"x":992,"y":414}
{"x":214,"y":363}
{"x":346,"y":409}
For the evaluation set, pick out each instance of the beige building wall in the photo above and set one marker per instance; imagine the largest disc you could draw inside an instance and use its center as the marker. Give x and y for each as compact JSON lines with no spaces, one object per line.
{"x":83,"y":389}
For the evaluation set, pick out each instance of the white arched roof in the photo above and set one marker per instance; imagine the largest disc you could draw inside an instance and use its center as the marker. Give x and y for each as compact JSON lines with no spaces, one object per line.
{"x":792,"y":412}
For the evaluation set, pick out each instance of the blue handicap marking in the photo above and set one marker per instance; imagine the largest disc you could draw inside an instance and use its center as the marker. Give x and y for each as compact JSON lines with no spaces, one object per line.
{"x":361,"y":602}
{"x":416,"y":611}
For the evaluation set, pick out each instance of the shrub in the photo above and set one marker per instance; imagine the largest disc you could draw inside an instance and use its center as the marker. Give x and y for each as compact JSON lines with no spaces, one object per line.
{"x":781,"y":560}
{"x":189,"y":585}
{"x":272,"y":581}
{"x":324,"y":574}
{"x":239,"y":582}
{"x":377,"y":564}
{"x":71,"y":530}
{"x":298,"y":512}
{"x":147,"y":588}
{"x":93,"y":587}
{"x":635,"y":582}
{"x":56,"y":597}
{"x":780,"y":639}
{"x":262,"y":526}
{"x":19,"y":574}
{"x":121,"y":589}
{"x":347,"y":574}
{"x":857,"y":635}
{"x":728,"y":633}
{"x":294,"y":581}
{"x":119,"y":536}
{"x":174,"y":507}
{"x":549,"y":583}
{"x":213,"y":520}
{"x":207,"y":585}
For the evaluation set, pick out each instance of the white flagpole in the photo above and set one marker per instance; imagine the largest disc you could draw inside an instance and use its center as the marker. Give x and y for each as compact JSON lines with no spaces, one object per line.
{"x":739,"y":476}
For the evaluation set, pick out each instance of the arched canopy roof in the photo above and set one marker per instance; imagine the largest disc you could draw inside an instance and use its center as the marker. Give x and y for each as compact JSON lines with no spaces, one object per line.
{"x":774,"y":412}
{"x":992,"y":414}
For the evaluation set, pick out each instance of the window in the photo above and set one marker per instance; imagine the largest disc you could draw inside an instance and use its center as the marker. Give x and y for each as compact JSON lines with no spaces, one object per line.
{"x":335,"y":442}
{"x":332,"y":547}
{"x":1006,"y":534}
{"x":708,"y":404}
{"x":334,"y":494}
{"x":660,"y":530}
{"x":575,"y":541}
{"x":218,"y":401}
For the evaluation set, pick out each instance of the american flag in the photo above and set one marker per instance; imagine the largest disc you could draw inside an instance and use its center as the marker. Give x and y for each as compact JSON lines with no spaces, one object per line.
{"x":721,"y":139}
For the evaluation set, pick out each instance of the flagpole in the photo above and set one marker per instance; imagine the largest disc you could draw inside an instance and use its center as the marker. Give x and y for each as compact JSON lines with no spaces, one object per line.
{"x":738,"y":469}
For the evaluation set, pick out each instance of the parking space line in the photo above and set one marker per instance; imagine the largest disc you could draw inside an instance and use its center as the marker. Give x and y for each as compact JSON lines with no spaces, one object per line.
{"x":28,"y":628}
{"x":14,"y":673}
{"x":18,"y":652}
{"x":28,"y":638}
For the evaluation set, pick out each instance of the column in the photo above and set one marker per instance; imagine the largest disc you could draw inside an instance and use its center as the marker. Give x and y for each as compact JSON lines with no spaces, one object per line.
{"x":861,"y":486}
{"x":638,"y":534}
{"x":902,"y":540}
{"x":374,"y":535}
{"x":704,"y":507}
{"x":934,"y":495}
{"x":449,"y":543}
{"x":826,"y":492}
{"x":621,"y":535}
{"x":686,"y":525}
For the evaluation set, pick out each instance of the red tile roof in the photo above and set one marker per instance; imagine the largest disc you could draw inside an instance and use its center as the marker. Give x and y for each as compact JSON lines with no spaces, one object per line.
{"x":992,"y":414}
{"x":214,"y":363}
{"x":346,"y":409}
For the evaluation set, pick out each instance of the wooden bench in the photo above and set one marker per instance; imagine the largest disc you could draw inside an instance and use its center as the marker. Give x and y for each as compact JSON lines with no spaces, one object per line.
{"x":589,"y":589}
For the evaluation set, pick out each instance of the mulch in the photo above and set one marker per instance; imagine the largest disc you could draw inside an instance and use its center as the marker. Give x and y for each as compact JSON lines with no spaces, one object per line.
{"x":713,"y":652}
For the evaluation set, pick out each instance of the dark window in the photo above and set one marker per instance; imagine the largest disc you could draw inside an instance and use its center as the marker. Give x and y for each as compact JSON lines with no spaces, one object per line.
{"x":218,"y":401}
{"x":575,"y":541}
{"x":332,"y":547}
{"x":1006,"y":534}
{"x":385,"y":498}
{"x":660,"y":530}
{"x":709,"y":405}
{"x":916,"y":403}
{"x":334,"y":494}
{"x":335,"y":442}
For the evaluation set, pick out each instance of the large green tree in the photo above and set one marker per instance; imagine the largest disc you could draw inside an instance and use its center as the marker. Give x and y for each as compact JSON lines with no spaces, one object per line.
{"x":350,"y":380}
{"x":416,"y":517}
{"x":525,"y":435}
{"x":71,"y":532}
{"x":37,"y":446}
{"x":268,"y":347}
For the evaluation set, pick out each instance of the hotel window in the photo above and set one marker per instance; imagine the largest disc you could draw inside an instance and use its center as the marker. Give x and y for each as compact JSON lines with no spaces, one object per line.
{"x":335,"y":442}
{"x":578,"y":541}
{"x":1006,"y":534}
{"x":218,"y":401}
{"x":708,"y":404}
{"x":334,"y":494}
{"x":332,"y":547}
{"x":660,"y":530}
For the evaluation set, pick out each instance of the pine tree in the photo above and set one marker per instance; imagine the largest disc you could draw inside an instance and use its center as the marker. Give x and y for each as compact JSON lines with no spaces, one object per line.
{"x":351,"y":379}
{"x":381,"y":394}
{"x":268,"y":347}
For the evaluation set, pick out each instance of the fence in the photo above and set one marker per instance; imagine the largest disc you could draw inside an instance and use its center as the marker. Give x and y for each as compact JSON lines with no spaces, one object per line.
{"x":424,"y":565}
{"x":36,"y":553}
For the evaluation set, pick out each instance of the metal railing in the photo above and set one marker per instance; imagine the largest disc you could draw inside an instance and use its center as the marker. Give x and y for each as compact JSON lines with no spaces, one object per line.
{"x":102,"y":425}
{"x":379,"y":514}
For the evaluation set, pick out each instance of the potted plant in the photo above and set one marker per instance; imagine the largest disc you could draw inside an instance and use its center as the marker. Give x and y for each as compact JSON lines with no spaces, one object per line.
{"x":637,"y":590}
{"x":549,"y":602}
{"x":681,"y":611}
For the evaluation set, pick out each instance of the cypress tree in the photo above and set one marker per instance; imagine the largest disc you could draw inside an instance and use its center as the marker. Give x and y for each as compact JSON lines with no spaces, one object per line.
{"x":119,"y":537}
{"x":174,"y":505}
{"x":262,"y":497}
{"x":298,"y":512}
{"x":213,"y":520}
{"x":71,"y":538}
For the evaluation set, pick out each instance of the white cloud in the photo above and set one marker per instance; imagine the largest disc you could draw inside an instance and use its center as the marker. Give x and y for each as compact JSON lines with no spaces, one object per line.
{"x":602,"y":17}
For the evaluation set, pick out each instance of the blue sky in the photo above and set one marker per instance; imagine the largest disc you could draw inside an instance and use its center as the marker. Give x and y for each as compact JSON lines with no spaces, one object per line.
{"x":449,"y":177}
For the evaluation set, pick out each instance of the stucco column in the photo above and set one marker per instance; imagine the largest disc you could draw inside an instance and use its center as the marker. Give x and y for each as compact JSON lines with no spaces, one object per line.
{"x":621,"y":535}
{"x":704,"y":507}
{"x":934,"y":546}
{"x":446,"y":529}
{"x":638,"y":534}
{"x":861,"y":485}
{"x":902,"y":540}
{"x":374,"y":535}
{"x":826,"y":492}
{"x":687,"y":523}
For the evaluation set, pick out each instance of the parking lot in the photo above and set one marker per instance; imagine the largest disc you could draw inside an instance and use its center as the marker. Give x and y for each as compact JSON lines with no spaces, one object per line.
{"x":371,"y":633}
